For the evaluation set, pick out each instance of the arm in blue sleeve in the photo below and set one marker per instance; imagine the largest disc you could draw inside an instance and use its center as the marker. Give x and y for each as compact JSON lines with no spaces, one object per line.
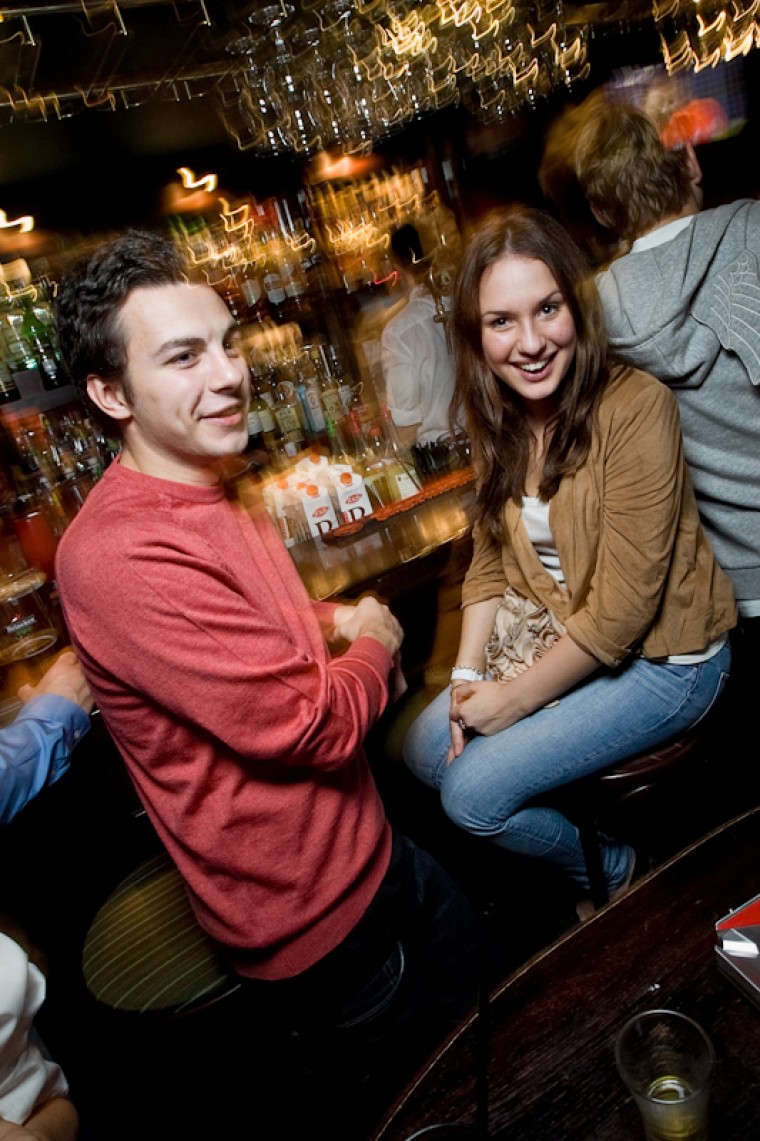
{"x":35,"y":749}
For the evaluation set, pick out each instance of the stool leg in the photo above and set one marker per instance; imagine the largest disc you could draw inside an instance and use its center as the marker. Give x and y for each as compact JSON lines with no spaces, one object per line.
{"x":592,"y":854}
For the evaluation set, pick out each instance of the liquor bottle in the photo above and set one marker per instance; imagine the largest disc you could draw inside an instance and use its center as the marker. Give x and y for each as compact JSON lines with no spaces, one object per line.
{"x":335,"y":368}
{"x":8,"y":390}
{"x":287,"y":410}
{"x":260,"y":415}
{"x":44,"y":354}
{"x":372,"y":468}
{"x":331,"y":401}
{"x":309,"y":393}
{"x":232,"y":296}
{"x":252,"y":292}
{"x":330,"y":398}
{"x":253,"y":423}
{"x":58,"y":450}
{"x":273,"y":284}
{"x":12,"y":347}
{"x":339,"y":454}
{"x":363,"y":415}
{"x":401,"y":479}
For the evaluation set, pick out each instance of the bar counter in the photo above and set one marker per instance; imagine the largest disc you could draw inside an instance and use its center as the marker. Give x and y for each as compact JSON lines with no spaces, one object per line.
{"x":550,"y":1058}
{"x":392,"y":556}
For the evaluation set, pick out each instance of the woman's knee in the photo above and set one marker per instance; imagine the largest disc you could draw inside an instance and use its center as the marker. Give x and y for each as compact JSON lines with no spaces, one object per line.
{"x":426,"y":744}
{"x":469,"y":803}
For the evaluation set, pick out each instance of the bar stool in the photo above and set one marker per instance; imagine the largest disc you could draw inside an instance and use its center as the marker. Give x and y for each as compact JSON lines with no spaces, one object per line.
{"x":145,"y":952}
{"x":589,"y":801}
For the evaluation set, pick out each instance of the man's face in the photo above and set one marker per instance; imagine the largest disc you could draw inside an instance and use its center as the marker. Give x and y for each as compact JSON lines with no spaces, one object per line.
{"x":188,"y":383}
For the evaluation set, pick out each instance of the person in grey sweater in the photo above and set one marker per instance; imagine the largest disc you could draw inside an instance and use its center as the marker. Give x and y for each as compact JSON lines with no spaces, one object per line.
{"x":682,"y":301}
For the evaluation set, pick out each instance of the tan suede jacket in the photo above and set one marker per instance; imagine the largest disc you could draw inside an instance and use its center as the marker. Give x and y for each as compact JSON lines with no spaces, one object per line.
{"x":640,"y":572}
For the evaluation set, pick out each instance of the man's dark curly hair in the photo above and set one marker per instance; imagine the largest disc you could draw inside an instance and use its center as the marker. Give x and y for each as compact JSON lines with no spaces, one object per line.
{"x":90,"y":298}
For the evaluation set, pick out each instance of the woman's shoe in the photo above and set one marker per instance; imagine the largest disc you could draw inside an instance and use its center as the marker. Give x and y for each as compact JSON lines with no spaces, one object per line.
{"x":585,"y":908}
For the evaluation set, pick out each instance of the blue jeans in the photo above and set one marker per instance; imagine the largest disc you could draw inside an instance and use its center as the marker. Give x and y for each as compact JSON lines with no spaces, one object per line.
{"x":613,"y":715}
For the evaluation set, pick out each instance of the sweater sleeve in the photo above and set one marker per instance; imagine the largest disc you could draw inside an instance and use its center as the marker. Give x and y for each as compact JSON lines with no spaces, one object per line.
{"x":238,"y":657}
{"x":643,"y":481}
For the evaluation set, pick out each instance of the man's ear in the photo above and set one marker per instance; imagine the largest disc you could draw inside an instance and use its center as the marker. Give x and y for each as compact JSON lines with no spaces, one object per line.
{"x":695,"y":170}
{"x":600,"y":217}
{"x":108,"y":396}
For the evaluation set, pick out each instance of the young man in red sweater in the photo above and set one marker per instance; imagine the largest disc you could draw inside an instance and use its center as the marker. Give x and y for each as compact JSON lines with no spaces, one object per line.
{"x":222,"y":684}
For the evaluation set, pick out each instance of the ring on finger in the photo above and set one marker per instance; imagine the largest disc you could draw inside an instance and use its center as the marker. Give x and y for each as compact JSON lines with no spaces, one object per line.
{"x":462,"y":725}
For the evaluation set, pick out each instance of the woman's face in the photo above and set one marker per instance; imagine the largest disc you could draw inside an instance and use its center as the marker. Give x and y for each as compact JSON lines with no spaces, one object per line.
{"x":527,"y":329}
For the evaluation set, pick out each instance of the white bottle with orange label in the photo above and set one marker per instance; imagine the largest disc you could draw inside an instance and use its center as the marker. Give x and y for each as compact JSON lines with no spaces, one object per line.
{"x":353,"y":501}
{"x":318,"y":509}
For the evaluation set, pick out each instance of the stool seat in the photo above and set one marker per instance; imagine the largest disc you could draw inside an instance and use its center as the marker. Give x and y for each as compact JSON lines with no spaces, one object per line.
{"x":584,"y":801}
{"x":145,"y":951}
{"x":644,"y":768}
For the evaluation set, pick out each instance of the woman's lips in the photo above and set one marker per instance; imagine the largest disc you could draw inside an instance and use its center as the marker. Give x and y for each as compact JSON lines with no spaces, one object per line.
{"x":529,"y":369}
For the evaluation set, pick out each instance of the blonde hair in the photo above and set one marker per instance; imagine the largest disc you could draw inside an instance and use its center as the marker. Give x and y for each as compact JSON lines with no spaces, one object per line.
{"x":629,"y":178}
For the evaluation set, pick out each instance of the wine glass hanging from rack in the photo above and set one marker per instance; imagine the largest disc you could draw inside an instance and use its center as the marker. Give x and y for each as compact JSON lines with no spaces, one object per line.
{"x":348,"y":72}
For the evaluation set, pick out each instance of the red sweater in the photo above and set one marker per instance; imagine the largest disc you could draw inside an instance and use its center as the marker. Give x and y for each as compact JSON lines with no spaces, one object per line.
{"x":242,"y":735}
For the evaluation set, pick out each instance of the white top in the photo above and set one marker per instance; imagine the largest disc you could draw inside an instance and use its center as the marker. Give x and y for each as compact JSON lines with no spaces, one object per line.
{"x":418,"y":371}
{"x":27,"y":1077}
{"x":662,"y":234}
{"x":536,"y":520}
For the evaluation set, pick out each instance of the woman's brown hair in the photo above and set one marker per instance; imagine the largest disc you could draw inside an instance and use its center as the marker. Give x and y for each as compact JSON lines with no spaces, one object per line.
{"x":499,"y":432}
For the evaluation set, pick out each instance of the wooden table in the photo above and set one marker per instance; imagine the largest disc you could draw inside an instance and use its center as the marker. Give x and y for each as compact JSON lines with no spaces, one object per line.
{"x":552,"y":1074}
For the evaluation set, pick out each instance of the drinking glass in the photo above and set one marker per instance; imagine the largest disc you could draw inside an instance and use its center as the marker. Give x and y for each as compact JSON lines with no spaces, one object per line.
{"x":666,"y":1060}
{"x":37,"y":540}
{"x":26,"y":628}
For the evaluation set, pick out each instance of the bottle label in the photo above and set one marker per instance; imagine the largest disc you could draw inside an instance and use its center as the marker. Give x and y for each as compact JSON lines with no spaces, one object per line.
{"x":314,"y":411}
{"x":294,"y":287}
{"x":405,"y":484}
{"x":274,"y":290}
{"x":251,"y":291}
{"x":332,"y":404}
{"x":254,"y":423}
{"x":354,"y":501}
{"x":287,"y":418}
{"x":318,"y":510}
{"x":266,"y":419}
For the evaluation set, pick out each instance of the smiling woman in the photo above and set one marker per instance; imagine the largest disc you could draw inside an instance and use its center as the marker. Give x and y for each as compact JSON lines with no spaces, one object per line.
{"x":528,"y":335}
{"x":583,"y":510}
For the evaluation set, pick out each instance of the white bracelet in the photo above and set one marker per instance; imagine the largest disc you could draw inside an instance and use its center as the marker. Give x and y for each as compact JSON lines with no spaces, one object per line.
{"x":465,"y":673}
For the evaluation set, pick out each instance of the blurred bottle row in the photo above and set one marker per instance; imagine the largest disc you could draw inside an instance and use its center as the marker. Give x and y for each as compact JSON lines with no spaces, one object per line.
{"x":27,"y":340}
{"x":325,"y":446}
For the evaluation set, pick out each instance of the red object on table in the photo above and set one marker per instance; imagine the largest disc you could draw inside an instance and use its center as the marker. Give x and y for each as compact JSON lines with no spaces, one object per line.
{"x":37,"y":540}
